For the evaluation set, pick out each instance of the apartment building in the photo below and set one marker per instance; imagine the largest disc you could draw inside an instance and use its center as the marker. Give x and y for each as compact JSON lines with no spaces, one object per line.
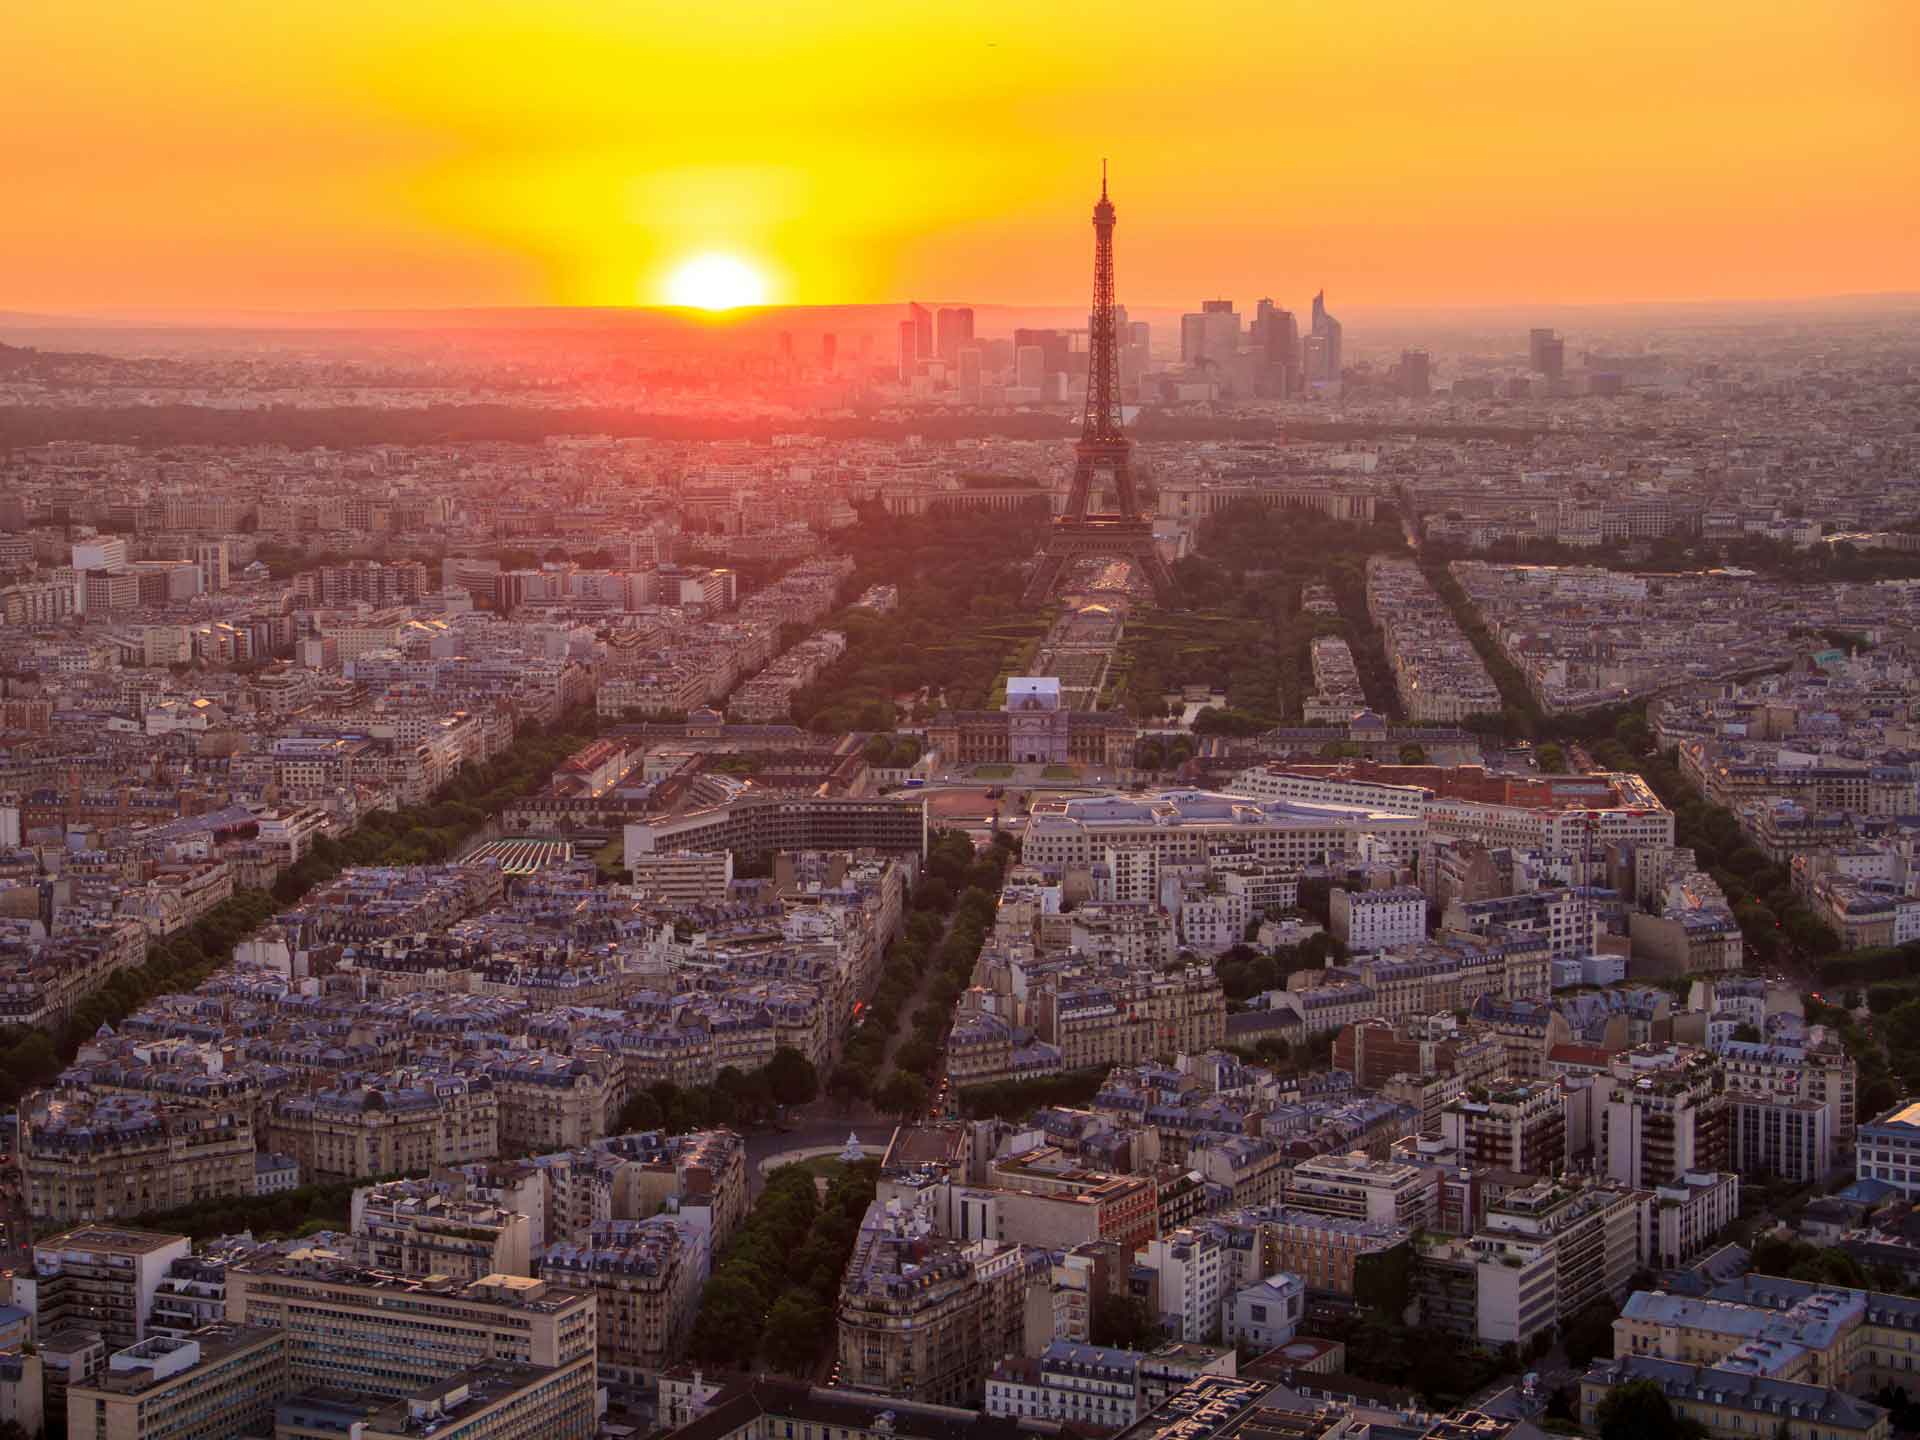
{"x":1353,"y":1187}
{"x":92,"y":1293}
{"x":1689,"y":1215}
{"x":646,"y":1276}
{"x":1264,"y":1315}
{"x":1822,"y":1073}
{"x":1121,"y":1015}
{"x":1735,"y":1405}
{"x":1522,"y":1128}
{"x":192,"y":1294}
{"x":1327,"y":1252}
{"x":412,"y":1227}
{"x":700,"y":1176}
{"x":23,"y":1390}
{"x":1068,"y":1383}
{"x":411,"y":1123}
{"x":1379,"y":919}
{"x":923,"y":1319}
{"x":1666,"y":1115}
{"x":548,"y":1101}
{"x":1186,"y":1267}
{"x":1778,"y":1137}
{"x":101,"y":1278}
{"x":104,"y":1157}
{"x":1592,"y":1233}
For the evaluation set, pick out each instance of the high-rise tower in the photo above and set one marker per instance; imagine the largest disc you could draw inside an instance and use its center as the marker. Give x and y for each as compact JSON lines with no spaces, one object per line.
{"x":1125,"y":532}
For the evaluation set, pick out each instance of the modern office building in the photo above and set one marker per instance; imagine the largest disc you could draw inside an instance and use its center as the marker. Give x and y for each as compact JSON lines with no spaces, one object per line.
{"x":1327,"y":356}
{"x":497,"y":1401}
{"x":381,"y":1334}
{"x":1546,"y":353}
{"x":764,"y":825}
{"x":1354,"y":1187}
{"x":953,"y":332}
{"x":220,"y":1382}
{"x":1189,"y":826}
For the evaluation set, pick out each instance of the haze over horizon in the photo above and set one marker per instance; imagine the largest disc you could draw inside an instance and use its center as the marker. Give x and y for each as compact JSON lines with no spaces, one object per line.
{"x":346,"y":157}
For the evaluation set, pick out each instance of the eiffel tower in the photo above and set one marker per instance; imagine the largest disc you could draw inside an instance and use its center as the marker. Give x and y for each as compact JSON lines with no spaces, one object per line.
{"x":1126,"y":532}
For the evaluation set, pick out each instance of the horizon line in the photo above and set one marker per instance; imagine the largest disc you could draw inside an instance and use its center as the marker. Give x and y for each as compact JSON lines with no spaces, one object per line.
{"x":237,"y":317}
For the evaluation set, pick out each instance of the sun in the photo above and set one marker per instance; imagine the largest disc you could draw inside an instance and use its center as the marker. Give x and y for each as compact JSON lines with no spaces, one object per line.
{"x":716,"y":282}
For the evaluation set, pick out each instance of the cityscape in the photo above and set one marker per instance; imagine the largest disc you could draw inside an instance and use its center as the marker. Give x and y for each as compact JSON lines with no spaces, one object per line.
{"x":703,"y":844}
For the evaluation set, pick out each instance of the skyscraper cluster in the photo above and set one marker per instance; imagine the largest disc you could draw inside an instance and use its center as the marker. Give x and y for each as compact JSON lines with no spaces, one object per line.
{"x":942,"y":336}
{"x":1271,"y":358}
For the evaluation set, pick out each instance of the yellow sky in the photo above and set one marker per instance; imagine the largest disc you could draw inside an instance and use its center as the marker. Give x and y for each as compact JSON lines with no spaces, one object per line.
{"x":346,"y":153}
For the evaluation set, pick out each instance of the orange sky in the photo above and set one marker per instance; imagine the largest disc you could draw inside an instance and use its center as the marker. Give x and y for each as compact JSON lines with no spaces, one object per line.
{"x":346,"y":153}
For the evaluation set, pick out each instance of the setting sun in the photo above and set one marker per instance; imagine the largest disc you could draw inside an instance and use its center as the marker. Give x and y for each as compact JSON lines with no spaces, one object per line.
{"x":716,"y":282}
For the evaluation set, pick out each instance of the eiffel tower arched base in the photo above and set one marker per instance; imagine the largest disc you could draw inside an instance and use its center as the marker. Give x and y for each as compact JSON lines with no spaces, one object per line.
{"x":1115,"y":538}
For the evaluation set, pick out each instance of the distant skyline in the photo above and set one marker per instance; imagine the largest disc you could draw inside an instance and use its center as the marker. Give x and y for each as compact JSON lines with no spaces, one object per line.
{"x":195,"y":155}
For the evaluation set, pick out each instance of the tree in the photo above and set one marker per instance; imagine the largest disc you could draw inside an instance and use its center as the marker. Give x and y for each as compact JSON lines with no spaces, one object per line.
{"x":791,"y":1077}
{"x":1589,"y":1334}
{"x":901,"y":1093}
{"x":848,"y":1083}
{"x":1412,"y":754}
{"x":1123,"y":1321}
{"x":796,"y":1326}
{"x":1640,"y":1410}
{"x":1551,"y":759}
{"x":728,"y":1324}
{"x":917,"y":1056}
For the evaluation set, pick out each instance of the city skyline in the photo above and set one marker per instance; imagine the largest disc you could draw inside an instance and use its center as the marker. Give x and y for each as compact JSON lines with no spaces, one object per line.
{"x":344,"y":159}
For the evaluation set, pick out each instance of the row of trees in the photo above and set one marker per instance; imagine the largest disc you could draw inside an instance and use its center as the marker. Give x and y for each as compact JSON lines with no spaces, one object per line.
{"x":1016,"y":1099}
{"x":952,"y":910}
{"x":433,"y":832}
{"x":773,"y":1288}
{"x":31,"y":1058}
{"x":737,"y":1099}
{"x":415,"y":835}
{"x":302,"y":1211}
{"x":1842,"y":561}
{"x":1520,"y":715}
{"x":1774,"y":922}
{"x":1444,"y":1370}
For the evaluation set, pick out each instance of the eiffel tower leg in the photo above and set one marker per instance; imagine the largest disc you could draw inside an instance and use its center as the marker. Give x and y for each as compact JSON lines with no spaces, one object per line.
{"x":1082,"y":488}
{"x":1157,"y":575}
{"x":1046,"y":576}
